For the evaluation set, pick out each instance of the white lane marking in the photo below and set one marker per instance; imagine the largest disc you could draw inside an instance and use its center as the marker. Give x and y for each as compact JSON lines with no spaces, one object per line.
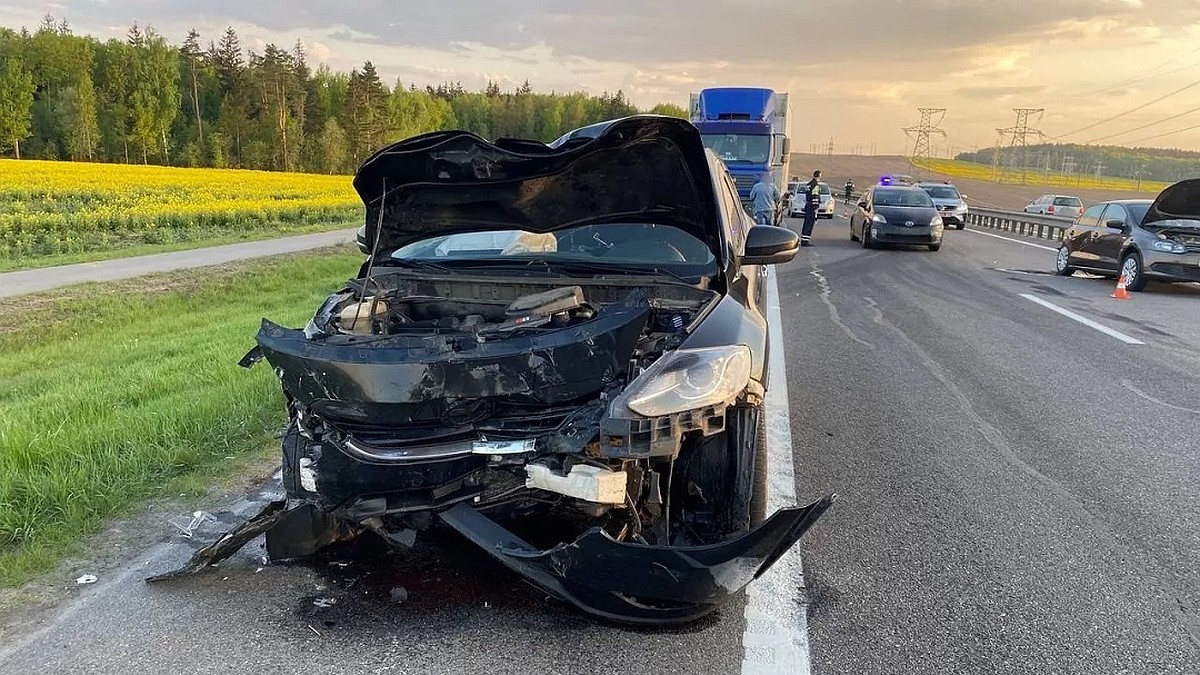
{"x":775,"y":641}
{"x":1083,"y":320}
{"x":1015,"y":241}
{"x":1129,"y":385}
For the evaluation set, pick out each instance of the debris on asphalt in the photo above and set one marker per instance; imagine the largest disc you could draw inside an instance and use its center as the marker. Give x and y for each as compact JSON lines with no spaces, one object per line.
{"x":325,"y":602}
{"x":399,"y":594}
{"x":198,"y":519}
{"x":314,"y":630}
{"x":86,"y":579}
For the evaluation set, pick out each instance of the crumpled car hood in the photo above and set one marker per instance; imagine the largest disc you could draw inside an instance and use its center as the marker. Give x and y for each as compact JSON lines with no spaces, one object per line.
{"x":645,"y":168}
{"x":1180,"y":201}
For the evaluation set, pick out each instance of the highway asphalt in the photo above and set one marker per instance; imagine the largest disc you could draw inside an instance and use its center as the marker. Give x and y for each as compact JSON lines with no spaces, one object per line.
{"x":1019,"y":493}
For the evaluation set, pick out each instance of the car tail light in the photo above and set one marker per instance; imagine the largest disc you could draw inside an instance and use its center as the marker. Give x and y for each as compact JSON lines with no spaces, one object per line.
{"x":1050,"y":209}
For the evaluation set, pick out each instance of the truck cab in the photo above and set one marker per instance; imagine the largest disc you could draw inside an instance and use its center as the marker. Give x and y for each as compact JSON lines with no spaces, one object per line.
{"x":746,"y":128}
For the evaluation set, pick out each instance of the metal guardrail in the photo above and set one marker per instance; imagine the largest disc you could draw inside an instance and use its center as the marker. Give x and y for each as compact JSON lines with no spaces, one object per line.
{"x":1017,"y":222}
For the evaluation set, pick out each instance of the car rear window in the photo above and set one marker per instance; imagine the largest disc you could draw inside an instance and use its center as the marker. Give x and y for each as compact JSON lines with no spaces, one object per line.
{"x":1067,"y":201}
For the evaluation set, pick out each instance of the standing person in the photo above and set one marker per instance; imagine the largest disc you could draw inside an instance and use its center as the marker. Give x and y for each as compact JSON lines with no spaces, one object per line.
{"x":764,"y":197}
{"x":812,"y":200}
{"x":849,"y":189}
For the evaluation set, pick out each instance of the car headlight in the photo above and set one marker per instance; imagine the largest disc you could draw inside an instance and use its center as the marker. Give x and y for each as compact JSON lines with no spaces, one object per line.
{"x":936,"y":222}
{"x":961,"y":208}
{"x":878,"y":218}
{"x":1168,"y":246}
{"x":688,"y":379}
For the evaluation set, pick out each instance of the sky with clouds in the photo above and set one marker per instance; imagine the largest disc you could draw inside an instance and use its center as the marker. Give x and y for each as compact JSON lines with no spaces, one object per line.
{"x":857,"y":70}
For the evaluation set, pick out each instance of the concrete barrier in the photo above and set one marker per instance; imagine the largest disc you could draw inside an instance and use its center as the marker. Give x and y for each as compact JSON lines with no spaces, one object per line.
{"x":1024,"y":224}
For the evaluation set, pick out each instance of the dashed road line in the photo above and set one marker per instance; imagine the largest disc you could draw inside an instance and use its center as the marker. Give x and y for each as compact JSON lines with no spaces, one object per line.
{"x":1083,"y":320}
{"x":1015,"y":241}
{"x":775,"y":640}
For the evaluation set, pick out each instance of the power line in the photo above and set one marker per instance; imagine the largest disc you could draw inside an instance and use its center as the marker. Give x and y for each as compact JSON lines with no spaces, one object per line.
{"x":1167,"y":133}
{"x":1149,"y":74}
{"x":1131,"y":110}
{"x":1147,"y":125}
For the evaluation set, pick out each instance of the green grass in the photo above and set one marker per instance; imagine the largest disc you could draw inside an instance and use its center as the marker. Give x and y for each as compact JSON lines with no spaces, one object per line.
{"x":112,"y":394}
{"x":174,"y":240}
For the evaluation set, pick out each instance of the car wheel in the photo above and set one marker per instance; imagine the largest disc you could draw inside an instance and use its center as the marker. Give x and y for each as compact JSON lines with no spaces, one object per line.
{"x":1062,"y":262}
{"x":935,"y":247}
{"x":867,"y":240}
{"x":1131,"y":267}
{"x":719,"y":485}
{"x":960,"y":226}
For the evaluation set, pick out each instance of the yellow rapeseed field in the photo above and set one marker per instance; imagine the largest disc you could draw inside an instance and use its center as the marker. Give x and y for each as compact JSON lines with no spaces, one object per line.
{"x":51,"y":207}
{"x":959,"y":169}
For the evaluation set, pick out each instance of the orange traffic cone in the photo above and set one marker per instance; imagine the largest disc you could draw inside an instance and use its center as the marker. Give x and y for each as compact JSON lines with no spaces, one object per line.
{"x":1121,"y":293}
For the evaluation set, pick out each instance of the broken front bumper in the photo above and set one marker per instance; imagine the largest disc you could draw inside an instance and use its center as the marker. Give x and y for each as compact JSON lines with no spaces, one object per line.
{"x":631,"y":583}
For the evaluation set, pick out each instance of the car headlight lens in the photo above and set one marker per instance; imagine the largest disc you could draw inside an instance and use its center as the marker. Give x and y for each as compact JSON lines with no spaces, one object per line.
{"x":961,"y":208}
{"x":1168,"y":246}
{"x":877,"y":218}
{"x":688,"y":379}
{"x":936,"y":222}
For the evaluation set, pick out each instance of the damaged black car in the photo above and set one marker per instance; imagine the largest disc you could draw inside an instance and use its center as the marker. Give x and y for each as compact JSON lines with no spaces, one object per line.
{"x":572,"y":331}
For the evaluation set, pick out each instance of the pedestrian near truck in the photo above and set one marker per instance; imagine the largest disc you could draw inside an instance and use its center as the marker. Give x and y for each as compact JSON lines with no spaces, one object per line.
{"x":764,"y":198}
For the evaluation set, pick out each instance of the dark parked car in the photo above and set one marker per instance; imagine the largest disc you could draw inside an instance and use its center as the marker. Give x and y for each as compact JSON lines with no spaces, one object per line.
{"x":1140,"y":238}
{"x":573,"y":330}
{"x":896,"y":214}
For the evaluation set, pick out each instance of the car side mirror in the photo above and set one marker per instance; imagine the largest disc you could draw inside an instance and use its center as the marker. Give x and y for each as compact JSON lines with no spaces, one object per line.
{"x":770,"y":245}
{"x":862,"y":205}
{"x":1115,"y":224}
{"x":360,"y":238}
{"x":964,"y":197}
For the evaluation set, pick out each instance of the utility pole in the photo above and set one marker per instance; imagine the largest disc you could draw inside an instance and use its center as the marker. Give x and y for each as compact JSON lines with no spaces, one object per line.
{"x":1020,"y":132}
{"x":1099,"y":168}
{"x":926,"y":127}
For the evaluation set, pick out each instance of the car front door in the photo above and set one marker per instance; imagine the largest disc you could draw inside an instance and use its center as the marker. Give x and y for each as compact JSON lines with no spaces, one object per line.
{"x":858,"y":221}
{"x":1079,"y":236}
{"x":1105,"y":245}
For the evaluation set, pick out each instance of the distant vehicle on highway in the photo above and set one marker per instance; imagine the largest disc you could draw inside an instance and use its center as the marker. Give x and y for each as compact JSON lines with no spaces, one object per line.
{"x":796,"y":201}
{"x":950,"y":203}
{"x":1139,"y":238}
{"x":1064,"y":206}
{"x":895,"y":179}
{"x":896,"y":214}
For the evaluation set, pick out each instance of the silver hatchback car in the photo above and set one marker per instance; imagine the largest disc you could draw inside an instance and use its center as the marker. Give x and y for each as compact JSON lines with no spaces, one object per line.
{"x":1143,"y":239}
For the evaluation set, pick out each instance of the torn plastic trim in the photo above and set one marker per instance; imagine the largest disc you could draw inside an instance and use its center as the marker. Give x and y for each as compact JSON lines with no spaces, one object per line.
{"x":638,"y":583}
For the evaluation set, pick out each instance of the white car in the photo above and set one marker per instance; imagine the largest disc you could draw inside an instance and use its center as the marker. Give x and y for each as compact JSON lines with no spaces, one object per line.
{"x":1063,"y":206}
{"x":796,"y":205}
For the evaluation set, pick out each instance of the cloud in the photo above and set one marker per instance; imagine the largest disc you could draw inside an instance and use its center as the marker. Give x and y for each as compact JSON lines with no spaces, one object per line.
{"x":993,"y":93}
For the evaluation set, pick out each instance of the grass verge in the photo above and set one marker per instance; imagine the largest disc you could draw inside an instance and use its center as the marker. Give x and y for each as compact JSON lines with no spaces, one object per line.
{"x":184,"y":240}
{"x":110,"y":394}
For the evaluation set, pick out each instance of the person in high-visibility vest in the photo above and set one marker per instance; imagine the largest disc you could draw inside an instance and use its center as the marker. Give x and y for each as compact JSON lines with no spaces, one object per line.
{"x":812,"y":200}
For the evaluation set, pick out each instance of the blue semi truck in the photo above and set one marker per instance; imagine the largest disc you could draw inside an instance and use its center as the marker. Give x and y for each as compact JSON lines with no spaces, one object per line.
{"x":747,"y":128}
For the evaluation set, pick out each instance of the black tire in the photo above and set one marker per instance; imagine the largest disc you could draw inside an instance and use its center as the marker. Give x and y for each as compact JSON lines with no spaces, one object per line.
{"x":719,"y":487}
{"x":960,"y":226}
{"x":1131,"y":266}
{"x":867,"y":241}
{"x":935,"y":247}
{"x":1062,"y":262}
{"x":758,"y":498}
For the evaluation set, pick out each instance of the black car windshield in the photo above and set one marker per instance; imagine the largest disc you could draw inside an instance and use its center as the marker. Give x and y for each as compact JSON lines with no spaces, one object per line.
{"x":910,"y":198}
{"x":941,"y":191}
{"x":618,"y":244}
{"x":739,"y":147}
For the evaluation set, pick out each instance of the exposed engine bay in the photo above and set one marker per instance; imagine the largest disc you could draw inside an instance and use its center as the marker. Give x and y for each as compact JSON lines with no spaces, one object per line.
{"x":621,"y":397}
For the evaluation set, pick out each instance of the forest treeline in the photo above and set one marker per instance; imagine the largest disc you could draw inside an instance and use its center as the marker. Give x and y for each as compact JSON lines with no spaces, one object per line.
{"x":216,"y":104}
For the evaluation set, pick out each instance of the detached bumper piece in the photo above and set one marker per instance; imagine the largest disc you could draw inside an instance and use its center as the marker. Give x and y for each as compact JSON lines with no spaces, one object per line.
{"x":636,"y":583}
